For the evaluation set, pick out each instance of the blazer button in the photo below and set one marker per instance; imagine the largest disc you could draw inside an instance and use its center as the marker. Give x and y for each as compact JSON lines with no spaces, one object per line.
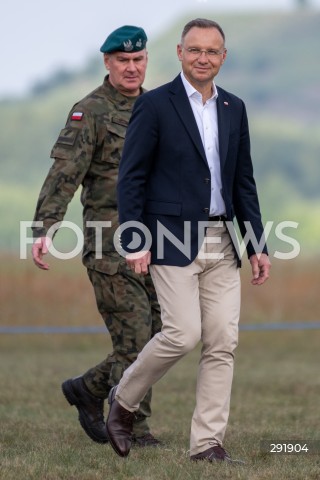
{"x":206,"y":210}
{"x":207,"y":180}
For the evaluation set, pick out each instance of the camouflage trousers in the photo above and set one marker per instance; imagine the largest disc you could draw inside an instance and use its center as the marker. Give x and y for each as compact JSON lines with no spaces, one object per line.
{"x":128,"y":305}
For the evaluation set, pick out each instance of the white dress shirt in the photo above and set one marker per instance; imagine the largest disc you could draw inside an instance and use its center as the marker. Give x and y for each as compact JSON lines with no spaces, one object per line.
{"x":207,"y":122}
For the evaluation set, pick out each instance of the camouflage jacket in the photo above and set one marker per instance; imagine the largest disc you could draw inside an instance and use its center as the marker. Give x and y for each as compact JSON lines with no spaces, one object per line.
{"x":87,"y":152}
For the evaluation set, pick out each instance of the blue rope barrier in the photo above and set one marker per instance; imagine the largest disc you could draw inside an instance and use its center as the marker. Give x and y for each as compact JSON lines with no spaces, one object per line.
{"x":94,"y":330}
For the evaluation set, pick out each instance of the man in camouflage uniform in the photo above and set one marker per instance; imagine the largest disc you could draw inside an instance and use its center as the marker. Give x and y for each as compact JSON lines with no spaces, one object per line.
{"x":88,"y":152}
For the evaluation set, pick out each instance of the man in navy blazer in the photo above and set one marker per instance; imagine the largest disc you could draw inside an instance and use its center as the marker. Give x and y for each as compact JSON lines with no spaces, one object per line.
{"x":185,"y":173}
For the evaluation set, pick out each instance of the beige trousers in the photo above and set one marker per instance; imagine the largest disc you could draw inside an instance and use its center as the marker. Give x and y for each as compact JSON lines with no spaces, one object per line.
{"x":198,"y":302}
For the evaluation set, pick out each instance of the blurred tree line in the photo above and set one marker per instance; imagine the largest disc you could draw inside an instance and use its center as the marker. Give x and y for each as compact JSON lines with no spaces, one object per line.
{"x":271,"y":64}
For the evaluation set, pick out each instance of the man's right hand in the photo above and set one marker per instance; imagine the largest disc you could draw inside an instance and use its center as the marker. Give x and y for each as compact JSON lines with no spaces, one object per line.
{"x":139,"y":261}
{"x":39,"y":249}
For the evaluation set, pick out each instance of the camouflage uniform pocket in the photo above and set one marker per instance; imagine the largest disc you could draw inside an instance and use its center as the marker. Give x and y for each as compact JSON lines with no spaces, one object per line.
{"x":113,"y":143}
{"x":63,"y":147}
{"x":120,"y":293}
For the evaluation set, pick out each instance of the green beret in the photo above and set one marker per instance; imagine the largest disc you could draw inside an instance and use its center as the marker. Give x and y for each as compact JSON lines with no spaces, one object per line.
{"x":125,"y":39}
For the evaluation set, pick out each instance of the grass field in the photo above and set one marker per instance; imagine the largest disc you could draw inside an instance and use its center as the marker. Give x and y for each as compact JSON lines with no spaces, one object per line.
{"x":275,"y":394}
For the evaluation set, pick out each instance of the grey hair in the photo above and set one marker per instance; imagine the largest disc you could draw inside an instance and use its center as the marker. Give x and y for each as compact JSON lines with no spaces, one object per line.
{"x":201,"y":23}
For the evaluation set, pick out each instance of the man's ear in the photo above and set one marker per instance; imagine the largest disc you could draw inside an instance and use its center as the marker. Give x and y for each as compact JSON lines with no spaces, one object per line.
{"x":106,"y":60}
{"x":179,"y":51}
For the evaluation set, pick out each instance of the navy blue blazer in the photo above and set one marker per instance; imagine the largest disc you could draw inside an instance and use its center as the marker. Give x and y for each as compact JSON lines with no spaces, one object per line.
{"x":164,"y":177}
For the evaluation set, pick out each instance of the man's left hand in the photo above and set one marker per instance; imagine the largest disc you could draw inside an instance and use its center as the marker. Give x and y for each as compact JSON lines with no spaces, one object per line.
{"x":260,"y":265}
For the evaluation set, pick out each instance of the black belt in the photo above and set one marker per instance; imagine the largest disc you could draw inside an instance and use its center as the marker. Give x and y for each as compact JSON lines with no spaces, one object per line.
{"x":218,"y":218}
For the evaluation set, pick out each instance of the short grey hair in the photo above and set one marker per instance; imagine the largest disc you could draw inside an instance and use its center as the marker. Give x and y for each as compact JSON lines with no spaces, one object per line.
{"x":201,"y":23}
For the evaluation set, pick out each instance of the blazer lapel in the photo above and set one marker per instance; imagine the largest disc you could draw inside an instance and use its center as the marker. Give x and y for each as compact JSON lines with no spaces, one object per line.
{"x":223,"y":110}
{"x":183,"y":108}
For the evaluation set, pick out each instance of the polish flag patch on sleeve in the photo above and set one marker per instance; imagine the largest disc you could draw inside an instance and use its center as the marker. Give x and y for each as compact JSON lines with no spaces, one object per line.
{"x":77,"y":116}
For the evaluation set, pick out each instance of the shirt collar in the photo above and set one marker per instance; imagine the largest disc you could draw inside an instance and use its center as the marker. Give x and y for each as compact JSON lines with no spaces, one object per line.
{"x":122,"y":102}
{"x":191,"y":91}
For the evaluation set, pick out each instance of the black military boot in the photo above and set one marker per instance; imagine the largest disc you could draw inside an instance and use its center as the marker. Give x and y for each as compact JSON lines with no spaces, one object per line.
{"x":89,"y":406}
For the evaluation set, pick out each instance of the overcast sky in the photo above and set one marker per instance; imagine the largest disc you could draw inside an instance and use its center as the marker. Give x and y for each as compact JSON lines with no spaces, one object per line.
{"x":38,"y":37}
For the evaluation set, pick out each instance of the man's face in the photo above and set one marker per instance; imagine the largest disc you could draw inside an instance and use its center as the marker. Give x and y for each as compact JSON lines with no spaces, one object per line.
{"x":127,"y":71}
{"x":200,"y":69}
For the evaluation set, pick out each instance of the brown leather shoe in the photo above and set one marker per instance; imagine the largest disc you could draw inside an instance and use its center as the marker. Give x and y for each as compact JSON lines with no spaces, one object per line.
{"x":89,"y":406}
{"x":147,"y":440}
{"x":119,"y":426}
{"x":215,"y":454}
